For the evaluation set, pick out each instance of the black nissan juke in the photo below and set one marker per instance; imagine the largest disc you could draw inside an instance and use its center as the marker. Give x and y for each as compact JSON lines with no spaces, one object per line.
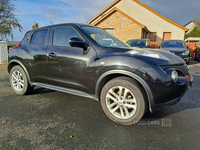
{"x":84,"y":60}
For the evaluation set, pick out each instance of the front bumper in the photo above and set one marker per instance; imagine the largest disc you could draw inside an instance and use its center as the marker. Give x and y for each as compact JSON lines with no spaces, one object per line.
{"x":155,"y":107}
{"x":164,"y":90}
{"x":186,"y":58}
{"x":171,"y":102}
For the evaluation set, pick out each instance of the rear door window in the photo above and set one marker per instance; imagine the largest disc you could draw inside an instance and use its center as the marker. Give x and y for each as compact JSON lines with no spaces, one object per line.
{"x":39,"y":37}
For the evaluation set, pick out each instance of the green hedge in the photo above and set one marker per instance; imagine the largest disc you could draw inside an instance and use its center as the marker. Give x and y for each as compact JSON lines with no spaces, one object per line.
{"x":11,"y":45}
{"x":194,"y":33}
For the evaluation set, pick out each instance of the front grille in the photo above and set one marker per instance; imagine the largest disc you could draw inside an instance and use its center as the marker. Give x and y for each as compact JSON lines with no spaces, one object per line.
{"x":181,"y":68}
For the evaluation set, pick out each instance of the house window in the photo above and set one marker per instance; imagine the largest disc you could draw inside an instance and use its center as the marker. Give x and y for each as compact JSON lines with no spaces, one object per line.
{"x":111,"y":31}
{"x":166,"y":36}
{"x":152,"y":36}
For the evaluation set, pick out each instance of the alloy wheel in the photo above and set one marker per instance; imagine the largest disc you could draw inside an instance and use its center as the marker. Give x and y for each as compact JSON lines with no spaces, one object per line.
{"x":17,"y":80}
{"x":121,"y":102}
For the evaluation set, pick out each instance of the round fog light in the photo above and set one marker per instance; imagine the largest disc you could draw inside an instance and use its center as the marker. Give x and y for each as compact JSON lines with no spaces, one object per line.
{"x":174,"y":75}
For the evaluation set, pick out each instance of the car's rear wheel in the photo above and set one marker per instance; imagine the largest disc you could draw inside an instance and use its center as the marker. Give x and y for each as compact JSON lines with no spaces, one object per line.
{"x":19,"y":81}
{"x":194,"y":56}
{"x":122,"y":100}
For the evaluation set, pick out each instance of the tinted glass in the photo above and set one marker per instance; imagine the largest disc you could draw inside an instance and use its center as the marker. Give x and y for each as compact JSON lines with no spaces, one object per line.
{"x":62,"y":36}
{"x":179,"y":44}
{"x":39,"y":37}
{"x":137,"y":43}
{"x":103,"y":38}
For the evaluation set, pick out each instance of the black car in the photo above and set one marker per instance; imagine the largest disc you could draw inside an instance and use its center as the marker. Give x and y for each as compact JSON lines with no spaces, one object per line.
{"x":142,"y":43}
{"x":86,"y":61}
{"x":178,"y":48}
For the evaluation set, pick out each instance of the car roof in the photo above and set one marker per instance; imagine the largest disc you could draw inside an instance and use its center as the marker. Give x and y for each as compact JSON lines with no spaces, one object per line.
{"x":64,"y":24}
{"x":172,"y":40}
{"x":138,"y":39}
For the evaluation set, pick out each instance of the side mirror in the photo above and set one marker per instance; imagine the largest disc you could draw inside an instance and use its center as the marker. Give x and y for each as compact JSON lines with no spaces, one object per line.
{"x":78,"y":42}
{"x":158,"y":46}
{"x":187,"y":47}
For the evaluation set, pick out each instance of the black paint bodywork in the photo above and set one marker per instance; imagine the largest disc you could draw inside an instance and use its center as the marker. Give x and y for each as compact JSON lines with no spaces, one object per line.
{"x":84,"y":72}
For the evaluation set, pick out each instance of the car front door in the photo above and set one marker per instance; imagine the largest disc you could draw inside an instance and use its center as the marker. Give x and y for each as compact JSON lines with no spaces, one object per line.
{"x":67,"y":66}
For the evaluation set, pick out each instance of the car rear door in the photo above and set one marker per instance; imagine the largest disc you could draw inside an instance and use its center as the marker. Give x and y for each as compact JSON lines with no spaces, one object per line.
{"x":67,"y":66}
{"x":36,"y":48}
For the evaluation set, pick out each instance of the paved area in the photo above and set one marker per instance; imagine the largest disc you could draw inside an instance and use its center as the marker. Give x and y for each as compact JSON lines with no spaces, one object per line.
{"x":48,"y":119}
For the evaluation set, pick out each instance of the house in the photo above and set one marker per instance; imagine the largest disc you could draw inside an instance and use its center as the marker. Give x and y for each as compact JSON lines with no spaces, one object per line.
{"x":131,"y":19}
{"x":190,"y":26}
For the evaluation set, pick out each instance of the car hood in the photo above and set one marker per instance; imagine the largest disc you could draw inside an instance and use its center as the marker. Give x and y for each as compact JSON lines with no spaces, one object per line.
{"x":174,"y":49}
{"x":122,"y":51}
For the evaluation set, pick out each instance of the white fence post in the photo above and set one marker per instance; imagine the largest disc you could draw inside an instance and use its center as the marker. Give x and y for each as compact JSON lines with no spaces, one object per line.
{"x":3,"y":51}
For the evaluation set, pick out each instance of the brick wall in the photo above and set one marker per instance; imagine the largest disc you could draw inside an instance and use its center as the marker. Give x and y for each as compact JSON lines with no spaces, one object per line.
{"x":124,"y":28}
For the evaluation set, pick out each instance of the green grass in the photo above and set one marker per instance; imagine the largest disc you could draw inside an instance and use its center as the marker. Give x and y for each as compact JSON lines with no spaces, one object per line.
{"x":3,"y":63}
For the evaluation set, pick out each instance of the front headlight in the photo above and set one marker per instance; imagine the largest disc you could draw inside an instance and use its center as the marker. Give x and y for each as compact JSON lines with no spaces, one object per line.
{"x":174,"y":75}
{"x":148,"y":54}
{"x":186,"y":53}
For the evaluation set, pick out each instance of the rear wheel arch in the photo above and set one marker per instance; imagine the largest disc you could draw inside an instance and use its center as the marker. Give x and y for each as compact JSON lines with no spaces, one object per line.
{"x":19,"y":81}
{"x":106,"y":77}
{"x":13,"y":63}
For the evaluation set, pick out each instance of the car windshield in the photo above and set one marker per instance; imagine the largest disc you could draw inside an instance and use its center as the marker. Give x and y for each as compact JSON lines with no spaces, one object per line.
{"x":137,"y":43}
{"x":179,"y":44}
{"x":103,"y":38}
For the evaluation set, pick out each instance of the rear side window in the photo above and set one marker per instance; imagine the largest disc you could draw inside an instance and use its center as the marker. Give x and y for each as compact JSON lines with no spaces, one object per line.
{"x":39,"y":37}
{"x":25,"y":39}
{"x":61,"y":36}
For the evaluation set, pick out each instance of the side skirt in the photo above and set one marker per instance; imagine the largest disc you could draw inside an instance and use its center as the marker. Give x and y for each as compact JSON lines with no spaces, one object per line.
{"x":65,"y":90}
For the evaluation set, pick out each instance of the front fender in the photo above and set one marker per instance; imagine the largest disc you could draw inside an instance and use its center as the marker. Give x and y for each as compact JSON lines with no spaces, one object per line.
{"x":132,"y":75}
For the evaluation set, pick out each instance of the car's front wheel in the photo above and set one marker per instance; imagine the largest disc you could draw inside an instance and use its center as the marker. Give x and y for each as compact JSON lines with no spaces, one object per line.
{"x":19,"y":81}
{"x":123,"y":101}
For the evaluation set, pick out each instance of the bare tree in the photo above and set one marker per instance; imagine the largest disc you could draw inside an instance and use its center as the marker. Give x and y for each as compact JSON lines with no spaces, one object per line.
{"x":197,"y":20}
{"x":8,"y":20}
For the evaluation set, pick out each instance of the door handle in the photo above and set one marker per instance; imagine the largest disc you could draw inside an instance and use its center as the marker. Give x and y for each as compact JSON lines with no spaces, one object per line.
{"x":51,"y":54}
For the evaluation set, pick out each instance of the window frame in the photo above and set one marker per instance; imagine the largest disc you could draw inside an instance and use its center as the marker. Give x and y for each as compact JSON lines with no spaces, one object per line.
{"x":52,"y":37}
{"x":31,"y":37}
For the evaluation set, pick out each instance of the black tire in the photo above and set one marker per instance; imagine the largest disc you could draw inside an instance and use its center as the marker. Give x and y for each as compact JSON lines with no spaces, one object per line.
{"x":19,"y":81}
{"x":125,"y":111}
{"x":194,"y":56}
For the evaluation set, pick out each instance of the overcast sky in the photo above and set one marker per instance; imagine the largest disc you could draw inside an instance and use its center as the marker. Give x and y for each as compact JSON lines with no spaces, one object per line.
{"x":44,"y":12}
